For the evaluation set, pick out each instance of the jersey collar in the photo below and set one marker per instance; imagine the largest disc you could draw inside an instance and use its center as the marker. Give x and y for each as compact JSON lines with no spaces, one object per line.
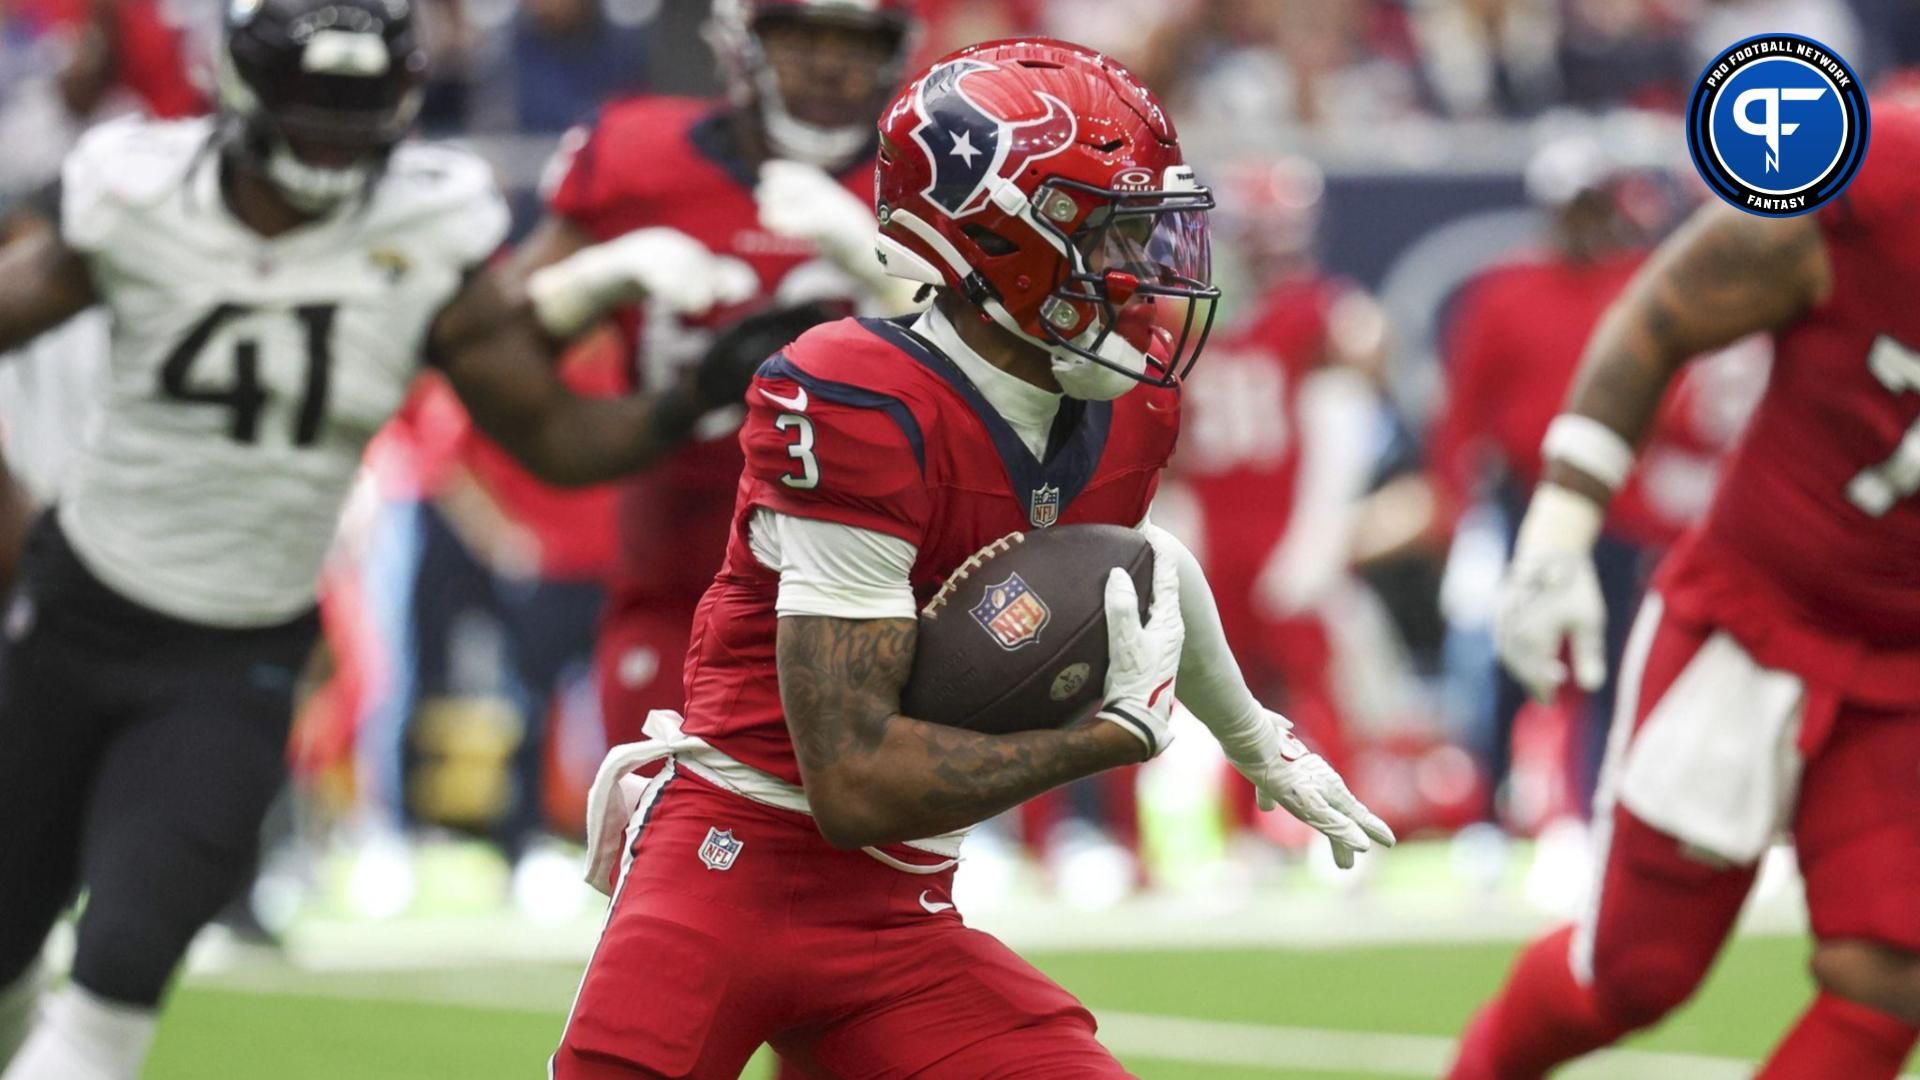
{"x":1030,"y":410}
{"x":1077,"y":438}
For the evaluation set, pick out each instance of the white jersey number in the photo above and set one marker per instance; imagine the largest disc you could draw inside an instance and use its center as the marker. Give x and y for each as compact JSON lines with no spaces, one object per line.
{"x":1239,"y":415}
{"x":1876,"y":489}
{"x":243,"y":396}
{"x":801,"y":451}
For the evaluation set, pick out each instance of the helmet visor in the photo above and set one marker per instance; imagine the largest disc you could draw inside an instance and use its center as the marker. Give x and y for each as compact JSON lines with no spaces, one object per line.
{"x":1145,"y":263}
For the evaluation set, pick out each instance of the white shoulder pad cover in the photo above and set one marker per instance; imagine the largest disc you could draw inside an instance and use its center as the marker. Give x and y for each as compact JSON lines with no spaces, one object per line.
{"x":446,"y":199}
{"x":121,"y":166}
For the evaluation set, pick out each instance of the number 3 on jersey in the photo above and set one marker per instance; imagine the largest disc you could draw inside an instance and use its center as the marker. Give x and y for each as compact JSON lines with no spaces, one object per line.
{"x":244,"y":396}
{"x":1876,"y":489}
{"x":800,"y":450}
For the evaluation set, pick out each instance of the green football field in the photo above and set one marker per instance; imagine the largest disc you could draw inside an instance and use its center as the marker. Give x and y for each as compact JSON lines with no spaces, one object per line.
{"x":1236,"y":1013}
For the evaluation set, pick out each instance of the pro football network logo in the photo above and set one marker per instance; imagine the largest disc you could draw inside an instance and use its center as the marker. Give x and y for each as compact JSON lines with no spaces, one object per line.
{"x":1012,"y":613}
{"x":1778,"y":125}
{"x":967,"y":146}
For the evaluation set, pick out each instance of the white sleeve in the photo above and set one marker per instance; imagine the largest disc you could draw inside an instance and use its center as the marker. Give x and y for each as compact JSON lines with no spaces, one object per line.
{"x":1336,"y":413}
{"x":1211,"y":685}
{"x":838,"y":571}
{"x":89,"y":206}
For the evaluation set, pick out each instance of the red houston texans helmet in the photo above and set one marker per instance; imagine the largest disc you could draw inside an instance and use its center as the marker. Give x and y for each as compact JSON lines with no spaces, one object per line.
{"x":737,"y":29}
{"x":1042,"y":181}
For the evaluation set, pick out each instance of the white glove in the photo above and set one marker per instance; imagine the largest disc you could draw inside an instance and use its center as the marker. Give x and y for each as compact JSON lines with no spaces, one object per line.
{"x":1142,"y":661}
{"x":662,"y":265}
{"x":1551,"y":596}
{"x":801,"y":202}
{"x":1290,"y":776}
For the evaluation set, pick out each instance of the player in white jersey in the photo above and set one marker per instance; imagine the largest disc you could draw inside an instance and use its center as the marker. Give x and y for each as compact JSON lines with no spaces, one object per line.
{"x":274,"y":278}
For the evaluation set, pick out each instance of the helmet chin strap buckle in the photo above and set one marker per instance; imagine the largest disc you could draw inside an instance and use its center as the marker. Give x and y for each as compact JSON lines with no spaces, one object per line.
{"x":1006,"y":196}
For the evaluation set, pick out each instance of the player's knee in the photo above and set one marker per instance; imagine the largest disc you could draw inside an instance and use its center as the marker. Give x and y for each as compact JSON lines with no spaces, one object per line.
{"x":1868,"y":973}
{"x":127,"y":952}
{"x":570,"y":1063}
{"x":1639,"y":986}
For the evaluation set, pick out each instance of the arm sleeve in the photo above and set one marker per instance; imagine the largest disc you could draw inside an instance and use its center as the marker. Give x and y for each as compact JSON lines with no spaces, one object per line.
{"x":89,"y":208}
{"x":834,"y":570}
{"x":1211,"y":685}
{"x":1336,"y":413}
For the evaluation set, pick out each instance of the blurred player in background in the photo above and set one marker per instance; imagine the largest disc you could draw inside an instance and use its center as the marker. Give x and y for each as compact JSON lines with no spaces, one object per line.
{"x":1510,"y":353}
{"x":275,"y":276}
{"x":1772,"y":678}
{"x":1278,"y":442}
{"x":62,"y":67}
{"x":1514,"y":345}
{"x":787,"y":877}
{"x":776,"y":183}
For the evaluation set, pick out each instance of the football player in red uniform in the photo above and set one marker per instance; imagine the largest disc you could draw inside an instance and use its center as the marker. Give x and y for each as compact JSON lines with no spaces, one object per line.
{"x":1272,"y":452}
{"x":786,"y":878}
{"x":1772,"y":678}
{"x":776,"y":185}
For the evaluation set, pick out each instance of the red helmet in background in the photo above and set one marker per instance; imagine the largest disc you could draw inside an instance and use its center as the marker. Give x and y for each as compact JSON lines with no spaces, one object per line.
{"x":734,"y":31}
{"x":1043,"y":182}
{"x":1270,"y":211}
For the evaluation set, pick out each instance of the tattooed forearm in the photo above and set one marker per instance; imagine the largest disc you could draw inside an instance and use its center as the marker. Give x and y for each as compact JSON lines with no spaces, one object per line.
{"x":873,"y":776}
{"x":973,"y":772}
{"x":1722,"y":276}
{"x":840,"y":681}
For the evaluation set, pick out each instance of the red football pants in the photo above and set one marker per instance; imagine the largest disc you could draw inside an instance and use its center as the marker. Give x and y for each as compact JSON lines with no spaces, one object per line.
{"x":1855,"y":826}
{"x":1662,"y":911}
{"x":849,"y":968}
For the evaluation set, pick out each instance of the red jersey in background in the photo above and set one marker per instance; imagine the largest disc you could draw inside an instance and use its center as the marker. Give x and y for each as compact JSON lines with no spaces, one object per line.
{"x":675,"y":162}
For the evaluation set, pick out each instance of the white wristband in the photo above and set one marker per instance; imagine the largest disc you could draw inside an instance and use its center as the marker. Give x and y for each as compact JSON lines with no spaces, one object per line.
{"x":1590,"y":446}
{"x":1559,"y":520}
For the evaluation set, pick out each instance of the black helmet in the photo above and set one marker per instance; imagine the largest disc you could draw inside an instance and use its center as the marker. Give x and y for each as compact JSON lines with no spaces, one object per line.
{"x":337,"y":78}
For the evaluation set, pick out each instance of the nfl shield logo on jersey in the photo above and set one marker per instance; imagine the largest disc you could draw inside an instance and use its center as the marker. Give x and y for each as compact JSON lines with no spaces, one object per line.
{"x":1012,"y":613}
{"x":719,"y":849}
{"x":1044,"y":509}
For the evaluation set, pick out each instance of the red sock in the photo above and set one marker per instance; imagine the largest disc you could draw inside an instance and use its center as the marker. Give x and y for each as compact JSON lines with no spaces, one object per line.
{"x":1543,"y":1017}
{"x":1836,"y":1037}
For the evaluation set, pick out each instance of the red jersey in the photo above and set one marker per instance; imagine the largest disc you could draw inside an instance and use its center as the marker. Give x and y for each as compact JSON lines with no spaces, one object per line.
{"x":864,"y":423}
{"x":1241,"y":456}
{"x":675,"y":162}
{"x":1810,"y":554}
{"x":1515,"y":345}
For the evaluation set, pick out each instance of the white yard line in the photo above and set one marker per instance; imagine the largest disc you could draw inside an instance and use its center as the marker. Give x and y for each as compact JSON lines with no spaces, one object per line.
{"x":1361,"y":1053}
{"x":1147,"y":924}
{"x":1131,"y":1035}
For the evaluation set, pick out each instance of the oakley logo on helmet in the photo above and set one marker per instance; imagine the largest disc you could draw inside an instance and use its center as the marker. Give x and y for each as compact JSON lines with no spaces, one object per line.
{"x":967,"y":146}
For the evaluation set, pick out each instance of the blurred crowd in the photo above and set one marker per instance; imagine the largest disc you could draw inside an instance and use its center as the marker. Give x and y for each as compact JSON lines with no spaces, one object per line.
{"x":1361,"y":434}
{"x":544,"y":65}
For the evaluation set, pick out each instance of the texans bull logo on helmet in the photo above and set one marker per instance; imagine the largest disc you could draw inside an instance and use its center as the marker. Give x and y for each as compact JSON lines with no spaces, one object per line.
{"x":967,"y":145}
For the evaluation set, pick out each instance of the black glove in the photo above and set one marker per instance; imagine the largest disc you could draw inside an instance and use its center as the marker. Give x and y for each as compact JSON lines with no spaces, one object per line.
{"x":727,"y":369}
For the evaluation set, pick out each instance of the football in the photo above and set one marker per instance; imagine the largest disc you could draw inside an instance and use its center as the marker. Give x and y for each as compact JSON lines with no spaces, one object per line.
{"x":1016,"y":638}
